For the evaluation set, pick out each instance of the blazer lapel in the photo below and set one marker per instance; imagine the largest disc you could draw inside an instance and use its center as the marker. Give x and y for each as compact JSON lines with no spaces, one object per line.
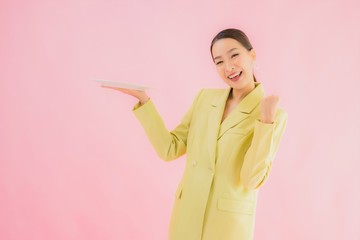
{"x":216,"y":129}
{"x":214,"y":121}
{"x":235,"y":118}
{"x":243,"y":109}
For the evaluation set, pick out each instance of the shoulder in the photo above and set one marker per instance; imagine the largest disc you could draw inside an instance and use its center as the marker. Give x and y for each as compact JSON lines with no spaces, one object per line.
{"x":210,"y":93}
{"x":207,"y":96}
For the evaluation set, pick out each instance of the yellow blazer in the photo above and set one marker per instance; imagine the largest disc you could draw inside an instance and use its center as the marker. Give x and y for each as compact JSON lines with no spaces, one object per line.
{"x":226,"y":163}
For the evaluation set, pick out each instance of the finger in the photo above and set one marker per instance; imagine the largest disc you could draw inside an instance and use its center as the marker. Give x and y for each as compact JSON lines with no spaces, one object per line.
{"x":113,"y":87}
{"x":106,"y":86}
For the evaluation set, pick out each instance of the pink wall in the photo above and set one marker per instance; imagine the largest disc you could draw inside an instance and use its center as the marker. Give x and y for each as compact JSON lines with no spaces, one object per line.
{"x":75,"y":163}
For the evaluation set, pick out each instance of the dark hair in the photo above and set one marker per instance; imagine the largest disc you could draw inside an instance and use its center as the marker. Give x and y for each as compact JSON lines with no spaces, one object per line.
{"x":235,"y":34}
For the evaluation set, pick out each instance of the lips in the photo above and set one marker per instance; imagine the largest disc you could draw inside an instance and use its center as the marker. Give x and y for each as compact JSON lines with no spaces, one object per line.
{"x":235,"y":76}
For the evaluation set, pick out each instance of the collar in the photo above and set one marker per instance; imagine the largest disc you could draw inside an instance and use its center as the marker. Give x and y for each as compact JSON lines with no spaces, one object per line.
{"x":248,"y":103}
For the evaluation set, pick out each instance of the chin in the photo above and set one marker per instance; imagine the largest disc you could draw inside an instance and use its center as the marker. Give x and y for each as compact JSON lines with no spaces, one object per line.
{"x":239,"y":84}
{"x":236,"y":85}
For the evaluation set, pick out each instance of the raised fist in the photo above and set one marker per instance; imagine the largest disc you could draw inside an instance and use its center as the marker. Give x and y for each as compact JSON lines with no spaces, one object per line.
{"x":269,"y":108}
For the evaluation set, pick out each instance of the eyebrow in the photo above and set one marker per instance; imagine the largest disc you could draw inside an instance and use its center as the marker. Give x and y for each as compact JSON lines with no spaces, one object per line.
{"x":227,"y":52}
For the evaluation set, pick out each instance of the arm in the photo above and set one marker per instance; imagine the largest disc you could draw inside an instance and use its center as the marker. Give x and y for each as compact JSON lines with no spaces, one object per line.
{"x":260,"y":155}
{"x":168,"y":145}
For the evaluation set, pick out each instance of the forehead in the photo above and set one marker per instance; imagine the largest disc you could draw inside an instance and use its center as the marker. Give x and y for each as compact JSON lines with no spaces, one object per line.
{"x":222,"y":46}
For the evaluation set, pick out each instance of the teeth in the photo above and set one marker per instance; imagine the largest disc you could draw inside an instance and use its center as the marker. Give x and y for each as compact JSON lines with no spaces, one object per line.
{"x":233,"y":76}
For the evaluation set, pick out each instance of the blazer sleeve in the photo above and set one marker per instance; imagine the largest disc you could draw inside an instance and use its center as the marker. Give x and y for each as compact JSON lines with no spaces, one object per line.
{"x":169,"y":145}
{"x":261,"y":153}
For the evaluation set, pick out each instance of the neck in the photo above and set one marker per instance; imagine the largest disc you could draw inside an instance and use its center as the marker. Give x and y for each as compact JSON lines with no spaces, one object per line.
{"x":238,"y":94}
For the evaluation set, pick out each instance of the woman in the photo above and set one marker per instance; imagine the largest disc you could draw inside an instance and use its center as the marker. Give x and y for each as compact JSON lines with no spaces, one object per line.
{"x":230,"y":137}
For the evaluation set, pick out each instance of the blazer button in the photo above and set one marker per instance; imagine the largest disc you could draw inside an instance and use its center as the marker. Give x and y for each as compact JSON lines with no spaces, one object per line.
{"x":194,"y":163}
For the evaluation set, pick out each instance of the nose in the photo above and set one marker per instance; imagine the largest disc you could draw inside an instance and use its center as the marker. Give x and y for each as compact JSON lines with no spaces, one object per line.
{"x":229,"y":67}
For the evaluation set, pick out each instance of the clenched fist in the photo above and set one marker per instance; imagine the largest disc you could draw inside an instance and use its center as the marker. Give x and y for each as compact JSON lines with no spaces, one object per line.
{"x":269,"y":108}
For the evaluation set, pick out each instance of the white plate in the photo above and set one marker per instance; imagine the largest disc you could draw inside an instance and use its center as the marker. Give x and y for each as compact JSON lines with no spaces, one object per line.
{"x":134,"y":86}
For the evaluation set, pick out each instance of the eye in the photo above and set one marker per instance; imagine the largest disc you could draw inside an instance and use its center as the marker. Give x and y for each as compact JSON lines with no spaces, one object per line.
{"x":219,"y":62}
{"x":235,"y":55}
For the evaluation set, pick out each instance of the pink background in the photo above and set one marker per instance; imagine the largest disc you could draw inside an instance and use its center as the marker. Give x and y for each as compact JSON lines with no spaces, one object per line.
{"x":76,"y":164}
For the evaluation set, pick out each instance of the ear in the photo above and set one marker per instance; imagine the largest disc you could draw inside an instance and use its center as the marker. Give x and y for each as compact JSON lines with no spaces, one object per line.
{"x":253,"y":54}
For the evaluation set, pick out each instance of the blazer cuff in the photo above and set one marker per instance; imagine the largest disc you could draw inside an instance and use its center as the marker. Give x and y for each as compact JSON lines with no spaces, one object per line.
{"x":138,"y":105}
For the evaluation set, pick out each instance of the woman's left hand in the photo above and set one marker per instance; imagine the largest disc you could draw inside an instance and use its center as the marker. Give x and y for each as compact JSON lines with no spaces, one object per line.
{"x":269,"y":108}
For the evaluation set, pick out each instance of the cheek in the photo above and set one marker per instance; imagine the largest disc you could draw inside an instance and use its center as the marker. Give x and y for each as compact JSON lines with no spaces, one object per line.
{"x":220,"y":71}
{"x":247,"y":62}
{"x":238,"y":61}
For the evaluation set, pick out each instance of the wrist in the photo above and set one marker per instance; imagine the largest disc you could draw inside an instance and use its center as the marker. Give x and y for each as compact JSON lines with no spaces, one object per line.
{"x":267,"y":121}
{"x":144,"y":100}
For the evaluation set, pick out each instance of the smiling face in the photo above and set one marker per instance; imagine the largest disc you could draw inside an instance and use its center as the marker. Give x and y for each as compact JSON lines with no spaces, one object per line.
{"x":234,"y":63}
